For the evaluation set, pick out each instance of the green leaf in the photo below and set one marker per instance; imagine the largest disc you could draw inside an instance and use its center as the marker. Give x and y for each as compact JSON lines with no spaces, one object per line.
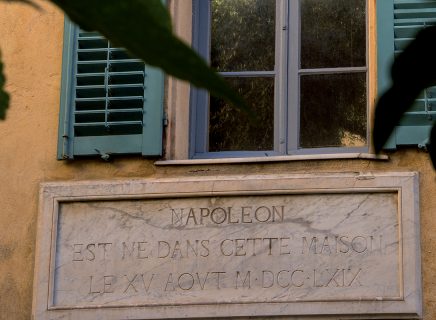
{"x":144,"y":28}
{"x":4,"y":96}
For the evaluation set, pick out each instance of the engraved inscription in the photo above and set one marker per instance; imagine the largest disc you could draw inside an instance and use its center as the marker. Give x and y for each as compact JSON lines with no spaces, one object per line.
{"x":278,"y":248}
{"x":229,"y":215}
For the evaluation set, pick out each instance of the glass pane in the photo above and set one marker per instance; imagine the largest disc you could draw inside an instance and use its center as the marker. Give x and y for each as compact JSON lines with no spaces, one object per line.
{"x":243,"y":35}
{"x":230,"y":128}
{"x":333,"y":110}
{"x":333,"y":33}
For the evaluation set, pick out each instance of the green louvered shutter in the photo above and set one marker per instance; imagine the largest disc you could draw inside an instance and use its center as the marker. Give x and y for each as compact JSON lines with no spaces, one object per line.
{"x":398,"y":21}
{"x":111,"y":103}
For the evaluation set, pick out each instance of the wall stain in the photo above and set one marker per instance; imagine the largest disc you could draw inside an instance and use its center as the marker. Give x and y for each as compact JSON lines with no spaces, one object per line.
{"x":6,"y":252}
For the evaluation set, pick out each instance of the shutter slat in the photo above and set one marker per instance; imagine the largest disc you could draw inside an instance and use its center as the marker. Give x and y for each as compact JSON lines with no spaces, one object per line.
{"x":125,"y":98}
{"x":109,"y":61}
{"x":126,"y":73}
{"x":110,"y":124}
{"x":110,"y":111}
{"x":105,"y":73}
{"x":111,"y":86}
{"x":101,"y":49}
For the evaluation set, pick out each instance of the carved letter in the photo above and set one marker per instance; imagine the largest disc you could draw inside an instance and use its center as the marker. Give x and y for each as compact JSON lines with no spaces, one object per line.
{"x":218,"y":278}
{"x":90,"y":286}
{"x":355,"y":278}
{"x":312,"y":247}
{"x":280,"y":214}
{"x":333,"y":278}
{"x":345,"y":244}
{"x":227,"y":254}
{"x":204,"y":281}
{"x":104,"y":245}
{"x":326,"y":245}
{"x":246,"y":215}
{"x":246,"y":279}
{"x":176,"y":217}
{"x":315,"y":284}
{"x":253,"y":240}
{"x":77,"y":252}
{"x":190,"y":281}
{"x":266,"y":212}
{"x":298,"y":285}
{"x":160,"y":246}
{"x":191,"y":215}
{"x":147,"y":287}
{"x":264,"y":283}
{"x":91,"y":253}
{"x":278,"y":279}
{"x":141,"y":250}
{"x":177,"y":249}
{"x":130,"y":283}
{"x":204,"y":213}
{"x":126,"y":249}
{"x":270,"y":244}
{"x":230,"y":216}
{"x":107,"y":281}
{"x":283,"y":246}
{"x":205,"y":245}
{"x":239,"y":248}
{"x":170,"y":281}
{"x":218,"y":218}
{"x":193,"y":248}
{"x":359,"y":249}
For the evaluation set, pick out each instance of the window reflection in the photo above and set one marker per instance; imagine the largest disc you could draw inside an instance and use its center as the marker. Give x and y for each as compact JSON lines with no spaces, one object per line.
{"x":333,"y":33}
{"x":230,"y":128}
{"x":243,"y":35}
{"x":333,"y":110}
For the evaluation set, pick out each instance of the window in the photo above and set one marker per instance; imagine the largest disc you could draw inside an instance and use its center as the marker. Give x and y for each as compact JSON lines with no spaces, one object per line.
{"x":301,"y":66}
{"x":111,"y":103}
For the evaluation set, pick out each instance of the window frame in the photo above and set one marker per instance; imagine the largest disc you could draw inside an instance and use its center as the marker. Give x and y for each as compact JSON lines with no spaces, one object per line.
{"x":287,"y":82}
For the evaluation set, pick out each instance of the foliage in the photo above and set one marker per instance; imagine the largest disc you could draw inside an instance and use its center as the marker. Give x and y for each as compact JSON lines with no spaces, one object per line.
{"x":243,"y":39}
{"x":333,"y":106}
{"x":144,"y":28}
{"x":412,"y":72}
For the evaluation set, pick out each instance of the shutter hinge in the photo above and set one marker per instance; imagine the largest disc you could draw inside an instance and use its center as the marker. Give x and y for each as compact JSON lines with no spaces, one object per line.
{"x":165,"y":120}
{"x":104,"y":156}
{"x":424,"y":144}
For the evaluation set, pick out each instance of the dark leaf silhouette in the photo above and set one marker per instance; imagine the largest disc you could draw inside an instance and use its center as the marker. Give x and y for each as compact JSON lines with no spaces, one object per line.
{"x":144,"y":28}
{"x":412,"y":72}
{"x":432,"y":146}
{"x":4,"y":96}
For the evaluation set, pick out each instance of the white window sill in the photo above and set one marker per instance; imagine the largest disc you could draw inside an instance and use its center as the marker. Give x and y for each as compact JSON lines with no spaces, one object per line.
{"x":336,"y":156}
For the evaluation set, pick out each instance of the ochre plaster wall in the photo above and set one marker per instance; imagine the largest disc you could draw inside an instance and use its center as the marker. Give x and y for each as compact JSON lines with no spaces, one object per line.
{"x":31,"y":43}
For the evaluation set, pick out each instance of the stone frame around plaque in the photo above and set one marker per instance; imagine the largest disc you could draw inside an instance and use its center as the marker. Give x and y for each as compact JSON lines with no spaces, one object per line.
{"x":52,"y":231}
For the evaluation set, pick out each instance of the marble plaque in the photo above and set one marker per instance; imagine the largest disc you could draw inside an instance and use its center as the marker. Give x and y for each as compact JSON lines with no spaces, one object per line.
{"x":301,"y":245}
